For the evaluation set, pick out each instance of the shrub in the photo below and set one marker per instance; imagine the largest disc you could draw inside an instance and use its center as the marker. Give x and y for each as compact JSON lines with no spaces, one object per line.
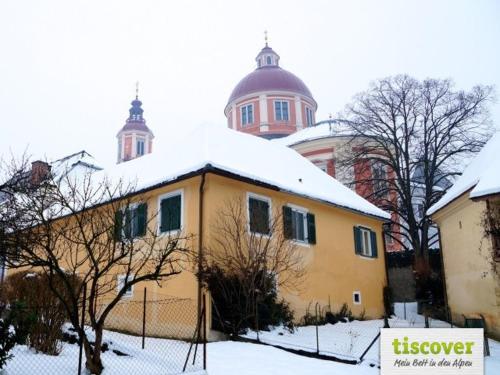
{"x":7,"y":336}
{"x":343,"y":314}
{"x":234,"y":311}
{"x":311,"y":317}
{"x":41,"y":313}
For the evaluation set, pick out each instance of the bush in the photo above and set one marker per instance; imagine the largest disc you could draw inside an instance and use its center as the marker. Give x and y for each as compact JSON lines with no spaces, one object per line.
{"x":41,"y":313}
{"x":234,"y":312}
{"x":344,"y":314}
{"x":7,"y":336}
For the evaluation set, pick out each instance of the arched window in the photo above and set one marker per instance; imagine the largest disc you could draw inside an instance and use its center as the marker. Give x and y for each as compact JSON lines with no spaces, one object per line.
{"x":269,"y":61}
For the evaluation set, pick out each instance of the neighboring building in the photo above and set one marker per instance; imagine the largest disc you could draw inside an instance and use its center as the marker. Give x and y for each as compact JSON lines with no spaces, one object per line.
{"x":270,"y":102}
{"x":135,"y":139}
{"x":78,"y":163}
{"x":471,"y":255}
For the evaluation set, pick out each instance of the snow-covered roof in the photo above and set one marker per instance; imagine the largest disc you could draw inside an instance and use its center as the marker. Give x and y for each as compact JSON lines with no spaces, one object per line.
{"x":481,"y":177}
{"x":323,"y":129}
{"x":243,"y":155}
{"x":71,"y":163}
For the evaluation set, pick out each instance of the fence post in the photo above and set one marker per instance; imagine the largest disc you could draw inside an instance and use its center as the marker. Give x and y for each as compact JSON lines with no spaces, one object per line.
{"x":204,"y":333}
{"x":257,"y":317}
{"x":404,"y":307}
{"x":317,"y":333}
{"x":83,"y":329}
{"x":144,"y":319}
{"x":426,"y":321}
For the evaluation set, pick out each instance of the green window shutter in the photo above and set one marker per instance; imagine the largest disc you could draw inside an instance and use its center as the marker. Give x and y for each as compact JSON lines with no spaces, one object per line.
{"x":373,"y":240}
{"x":118,"y":225}
{"x":170,"y":214}
{"x":287,"y":222}
{"x":311,"y":229}
{"x":357,"y":240}
{"x":142,"y":216}
{"x":126,"y":225}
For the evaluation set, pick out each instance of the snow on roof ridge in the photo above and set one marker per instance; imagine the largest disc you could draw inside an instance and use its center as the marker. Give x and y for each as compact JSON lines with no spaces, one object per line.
{"x":323,"y":129}
{"x":481,"y":176}
{"x":244,"y":155}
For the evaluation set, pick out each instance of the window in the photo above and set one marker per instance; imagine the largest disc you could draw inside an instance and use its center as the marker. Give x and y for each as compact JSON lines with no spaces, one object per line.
{"x":140,"y":147}
{"x":171,"y":212}
{"x":281,"y":110}
{"x":299,"y":225}
{"x":131,"y":222}
{"x":120,"y":283}
{"x":258,"y":212}
{"x":419,"y":209}
{"x":119,"y":149}
{"x":309,"y":117}
{"x":356,"y":297}
{"x":247,"y":114}
{"x":269,"y":60}
{"x":365,"y":242}
{"x":379,"y":174}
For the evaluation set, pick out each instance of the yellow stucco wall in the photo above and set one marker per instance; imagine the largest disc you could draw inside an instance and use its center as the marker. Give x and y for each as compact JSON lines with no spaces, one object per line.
{"x":334,"y":271}
{"x":472,"y":285}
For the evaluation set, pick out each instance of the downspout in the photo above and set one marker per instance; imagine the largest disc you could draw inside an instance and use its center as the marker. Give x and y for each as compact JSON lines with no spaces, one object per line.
{"x":200,"y":238}
{"x":443,"y":276}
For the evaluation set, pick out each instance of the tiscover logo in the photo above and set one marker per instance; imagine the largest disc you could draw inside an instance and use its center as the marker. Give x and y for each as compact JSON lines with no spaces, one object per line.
{"x":414,"y":351}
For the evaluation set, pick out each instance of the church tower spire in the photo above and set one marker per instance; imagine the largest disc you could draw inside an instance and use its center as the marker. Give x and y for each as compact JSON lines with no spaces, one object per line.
{"x":135,"y":138}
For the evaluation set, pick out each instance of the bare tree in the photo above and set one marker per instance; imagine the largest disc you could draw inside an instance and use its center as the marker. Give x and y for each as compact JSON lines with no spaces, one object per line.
{"x":408,"y":141}
{"x":88,"y":227}
{"x":243,"y":265}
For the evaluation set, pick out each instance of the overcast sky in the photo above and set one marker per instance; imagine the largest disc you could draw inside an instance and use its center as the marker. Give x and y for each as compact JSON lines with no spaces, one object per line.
{"x":68,"y":68}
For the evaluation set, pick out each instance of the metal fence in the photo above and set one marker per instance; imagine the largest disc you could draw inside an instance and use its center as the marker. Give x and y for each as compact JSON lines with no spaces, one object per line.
{"x":348,"y":340}
{"x":166,"y":336}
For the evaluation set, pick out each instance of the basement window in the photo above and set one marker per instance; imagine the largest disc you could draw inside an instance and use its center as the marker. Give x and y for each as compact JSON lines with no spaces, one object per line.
{"x":356,"y":298}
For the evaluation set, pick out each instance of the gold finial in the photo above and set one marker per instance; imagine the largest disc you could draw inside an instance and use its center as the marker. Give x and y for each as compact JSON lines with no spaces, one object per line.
{"x":137,"y":90}
{"x":265,"y":36}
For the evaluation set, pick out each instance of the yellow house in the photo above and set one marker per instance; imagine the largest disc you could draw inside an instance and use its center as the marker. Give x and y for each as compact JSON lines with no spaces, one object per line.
{"x":466,"y":215}
{"x":338,"y":233}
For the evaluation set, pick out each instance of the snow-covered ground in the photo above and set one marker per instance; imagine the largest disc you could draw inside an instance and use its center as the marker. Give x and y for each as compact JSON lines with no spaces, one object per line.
{"x":162,"y":356}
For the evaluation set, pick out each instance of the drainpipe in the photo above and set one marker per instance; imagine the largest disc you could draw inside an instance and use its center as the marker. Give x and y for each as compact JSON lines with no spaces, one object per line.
{"x":200,"y":238}
{"x":443,"y":276}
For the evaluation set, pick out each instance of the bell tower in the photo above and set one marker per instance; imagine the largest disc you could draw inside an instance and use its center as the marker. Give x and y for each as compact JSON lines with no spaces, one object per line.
{"x":135,"y":138}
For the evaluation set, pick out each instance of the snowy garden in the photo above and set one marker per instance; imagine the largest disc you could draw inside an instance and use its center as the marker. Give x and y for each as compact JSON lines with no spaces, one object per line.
{"x":345,"y":340}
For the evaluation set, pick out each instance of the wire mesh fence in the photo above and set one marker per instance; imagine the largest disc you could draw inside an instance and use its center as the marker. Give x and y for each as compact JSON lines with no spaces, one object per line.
{"x":349,"y":339}
{"x":164,"y":336}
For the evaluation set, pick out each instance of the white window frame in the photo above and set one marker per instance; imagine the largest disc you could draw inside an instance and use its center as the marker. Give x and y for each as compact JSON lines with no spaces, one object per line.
{"x":165,"y":196}
{"x":358,"y":293}
{"x":143,"y":141}
{"x":366,"y":231}
{"x":262,"y":198}
{"x":309,"y":117}
{"x":244,"y":108}
{"x":303,"y":211}
{"x":120,"y":283}
{"x":281,"y":110}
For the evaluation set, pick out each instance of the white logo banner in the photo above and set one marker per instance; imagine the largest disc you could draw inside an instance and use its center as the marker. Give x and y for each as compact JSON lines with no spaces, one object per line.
{"x":429,"y":351}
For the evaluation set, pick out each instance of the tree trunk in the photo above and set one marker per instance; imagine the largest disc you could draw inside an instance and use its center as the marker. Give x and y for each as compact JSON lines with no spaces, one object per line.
{"x":93,"y":355}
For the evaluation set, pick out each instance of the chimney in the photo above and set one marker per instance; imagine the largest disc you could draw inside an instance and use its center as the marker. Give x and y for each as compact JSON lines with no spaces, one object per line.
{"x":39,"y":171}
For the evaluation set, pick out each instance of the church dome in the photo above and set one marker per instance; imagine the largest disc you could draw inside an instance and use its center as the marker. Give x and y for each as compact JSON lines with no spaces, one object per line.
{"x":270,"y":78}
{"x":270,"y":102}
